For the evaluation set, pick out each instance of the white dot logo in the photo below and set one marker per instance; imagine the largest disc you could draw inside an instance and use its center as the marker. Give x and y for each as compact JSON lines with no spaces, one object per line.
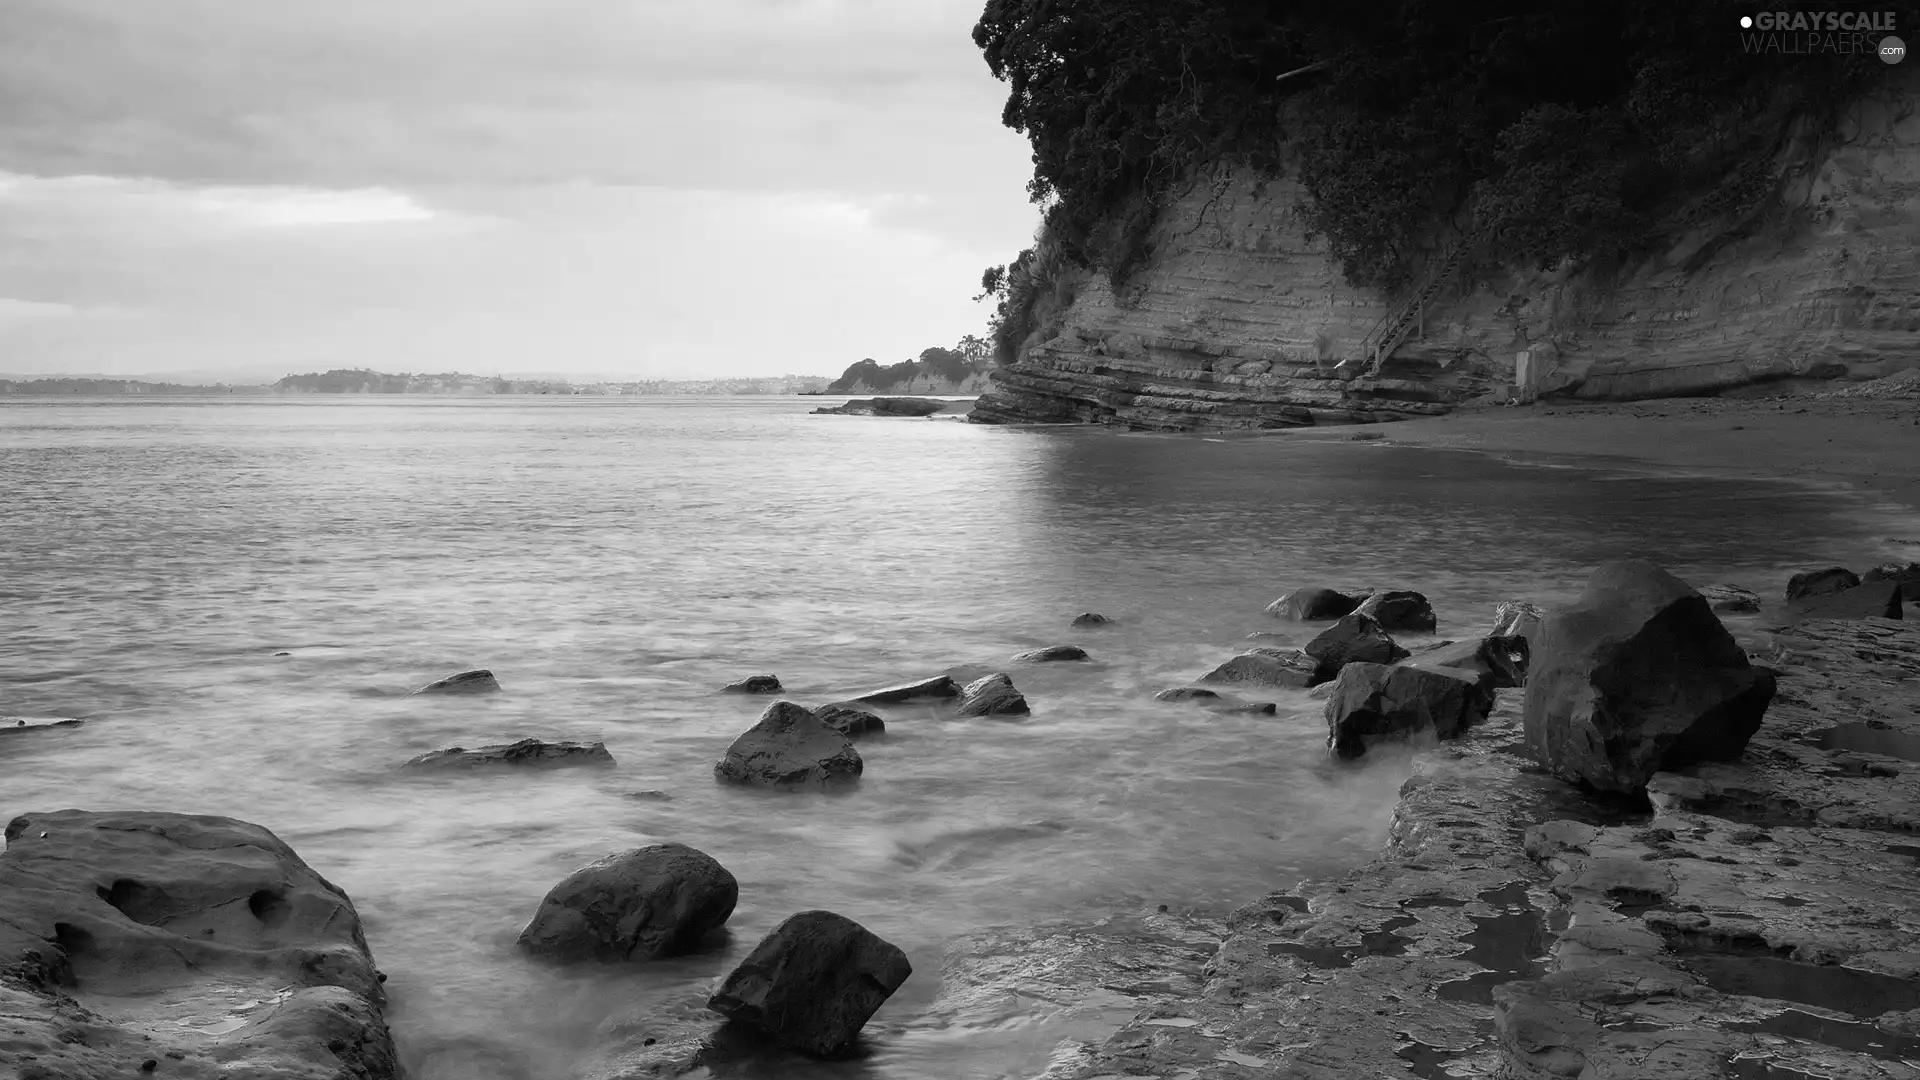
{"x":1892,"y":50}
{"x":1746,"y":22}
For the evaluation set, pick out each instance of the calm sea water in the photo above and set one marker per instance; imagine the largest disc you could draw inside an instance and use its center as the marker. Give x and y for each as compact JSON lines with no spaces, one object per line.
{"x":615,"y":561}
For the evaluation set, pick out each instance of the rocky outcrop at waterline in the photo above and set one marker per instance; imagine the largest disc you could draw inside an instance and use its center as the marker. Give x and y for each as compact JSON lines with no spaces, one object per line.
{"x":137,"y":943}
{"x":643,"y":904}
{"x":524,"y":754}
{"x":1240,"y":318}
{"x":813,"y":982}
{"x":790,"y":748}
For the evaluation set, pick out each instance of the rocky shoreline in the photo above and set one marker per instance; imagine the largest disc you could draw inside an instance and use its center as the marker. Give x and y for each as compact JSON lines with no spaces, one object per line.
{"x":1749,"y":912}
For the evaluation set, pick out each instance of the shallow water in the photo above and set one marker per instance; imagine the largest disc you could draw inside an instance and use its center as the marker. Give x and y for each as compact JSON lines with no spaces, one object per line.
{"x":615,"y":561}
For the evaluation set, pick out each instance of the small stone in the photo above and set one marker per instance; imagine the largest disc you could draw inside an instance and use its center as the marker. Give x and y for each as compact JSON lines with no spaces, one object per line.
{"x":525,"y":754}
{"x":849,"y":721}
{"x":1089,"y":618}
{"x":1400,"y":611}
{"x":1051,"y":654}
{"x":478,"y":681}
{"x":992,"y":695}
{"x":754,"y":684}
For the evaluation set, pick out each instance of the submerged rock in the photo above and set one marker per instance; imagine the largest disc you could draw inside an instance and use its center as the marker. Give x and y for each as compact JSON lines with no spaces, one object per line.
{"x":1636,"y":677}
{"x":202,"y":942}
{"x":1089,"y":618}
{"x":1313,"y":603}
{"x":1356,"y":638}
{"x":1290,"y":668}
{"x":813,"y":982}
{"x":34,"y":723}
{"x":849,"y":721}
{"x":638,"y":905}
{"x":790,"y":747}
{"x":1818,"y":582}
{"x":1215,"y":701}
{"x":478,"y":681}
{"x":992,"y":695}
{"x":940,"y":686}
{"x":1874,"y":600}
{"x":1400,"y":611}
{"x":886,"y":406}
{"x":1371,"y":703}
{"x":525,"y":754}
{"x":1730,"y":599}
{"x":1051,"y":654}
{"x":754,"y":684}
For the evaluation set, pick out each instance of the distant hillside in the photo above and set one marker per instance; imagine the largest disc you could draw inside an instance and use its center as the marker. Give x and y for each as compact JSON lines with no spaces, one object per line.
{"x":363,"y":381}
{"x":959,"y":370}
{"x":108,"y":387}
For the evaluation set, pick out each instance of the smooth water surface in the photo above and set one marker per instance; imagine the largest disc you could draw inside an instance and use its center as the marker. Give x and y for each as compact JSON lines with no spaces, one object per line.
{"x":614,"y":561}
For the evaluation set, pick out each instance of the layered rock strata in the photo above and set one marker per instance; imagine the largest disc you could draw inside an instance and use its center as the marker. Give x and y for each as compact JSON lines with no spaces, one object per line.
{"x":1238,"y":320}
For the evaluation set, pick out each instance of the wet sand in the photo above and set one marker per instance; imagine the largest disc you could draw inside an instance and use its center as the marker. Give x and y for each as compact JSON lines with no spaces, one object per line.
{"x":1871,"y":444}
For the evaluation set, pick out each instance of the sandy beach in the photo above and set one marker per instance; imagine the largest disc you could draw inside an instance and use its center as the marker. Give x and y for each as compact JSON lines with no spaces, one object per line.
{"x":1871,"y":444}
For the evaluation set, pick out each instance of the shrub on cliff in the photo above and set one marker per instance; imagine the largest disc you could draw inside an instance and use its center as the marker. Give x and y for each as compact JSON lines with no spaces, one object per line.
{"x":1560,"y":128}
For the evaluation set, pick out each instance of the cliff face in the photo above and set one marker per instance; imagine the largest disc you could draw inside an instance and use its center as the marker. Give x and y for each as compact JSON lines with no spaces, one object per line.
{"x":973,"y":383}
{"x":1237,"y":319}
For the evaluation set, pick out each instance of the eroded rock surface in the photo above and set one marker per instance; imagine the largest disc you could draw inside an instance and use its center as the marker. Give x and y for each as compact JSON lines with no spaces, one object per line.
{"x":1267,"y":667}
{"x":1400,"y":611}
{"x":643,"y":904}
{"x":203,"y":943}
{"x":790,"y":748}
{"x":1818,"y":582}
{"x":754,"y":684}
{"x":1638,"y":676}
{"x":1373,"y":703}
{"x":1355,"y":639}
{"x":849,"y":721}
{"x":1730,"y":599}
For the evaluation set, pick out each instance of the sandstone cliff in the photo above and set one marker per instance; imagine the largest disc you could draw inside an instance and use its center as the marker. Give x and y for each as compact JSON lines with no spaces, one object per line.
{"x":1239,"y":319}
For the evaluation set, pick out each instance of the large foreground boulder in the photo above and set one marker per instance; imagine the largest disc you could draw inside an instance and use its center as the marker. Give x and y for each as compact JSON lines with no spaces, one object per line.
{"x":477,"y":681}
{"x":638,"y":905}
{"x":790,"y":748}
{"x":1310,"y":604}
{"x":813,"y":982}
{"x":1355,"y":639}
{"x":1371,"y":703}
{"x":1636,"y":677}
{"x":992,"y":695}
{"x":1400,"y":611}
{"x":203,"y":943}
{"x":525,"y":754}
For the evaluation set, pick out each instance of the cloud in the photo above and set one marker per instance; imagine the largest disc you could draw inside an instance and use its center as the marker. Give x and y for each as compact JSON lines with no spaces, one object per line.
{"x":19,"y":311}
{"x":122,"y":202}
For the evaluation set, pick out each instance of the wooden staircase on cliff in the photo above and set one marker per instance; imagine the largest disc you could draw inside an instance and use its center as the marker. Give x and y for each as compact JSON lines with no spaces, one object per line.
{"x":1409,"y":316}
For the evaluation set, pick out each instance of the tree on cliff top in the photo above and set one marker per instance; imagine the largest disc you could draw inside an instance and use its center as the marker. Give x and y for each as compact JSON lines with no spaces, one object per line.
{"x":1562,"y":128}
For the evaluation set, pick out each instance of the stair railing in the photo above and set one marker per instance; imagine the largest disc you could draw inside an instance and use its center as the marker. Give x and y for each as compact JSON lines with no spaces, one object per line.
{"x":1409,"y":315}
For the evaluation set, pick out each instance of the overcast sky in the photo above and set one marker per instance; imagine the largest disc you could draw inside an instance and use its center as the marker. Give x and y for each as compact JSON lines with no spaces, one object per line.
{"x":647,"y":188}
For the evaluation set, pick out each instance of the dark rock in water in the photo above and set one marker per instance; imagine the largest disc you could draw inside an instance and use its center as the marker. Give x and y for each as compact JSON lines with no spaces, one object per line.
{"x":1730,"y":599}
{"x":754,"y":684}
{"x":1636,"y":677}
{"x":116,"y":926}
{"x":1875,"y":600}
{"x":525,"y":754}
{"x":1051,"y":654}
{"x":1356,"y":638}
{"x":1313,"y":603}
{"x":813,"y":982}
{"x":1907,"y":574}
{"x":1089,"y":618}
{"x":887,"y":406}
{"x":650,"y":795}
{"x":940,"y":686}
{"x":1816,"y":582}
{"x":1400,"y":611}
{"x":849,"y":721}
{"x":1265,"y":667}
{"x":479,"y":681}
{"x":1371,"y":703}
{"x":1214,"y":701}
{"x":1490,"y":663}
{"x":35,"y":723}
{"x":790,"y":748}
{"x":638,"y":905}
{"x":992,"y":695}
{"x":1516,"y":618}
